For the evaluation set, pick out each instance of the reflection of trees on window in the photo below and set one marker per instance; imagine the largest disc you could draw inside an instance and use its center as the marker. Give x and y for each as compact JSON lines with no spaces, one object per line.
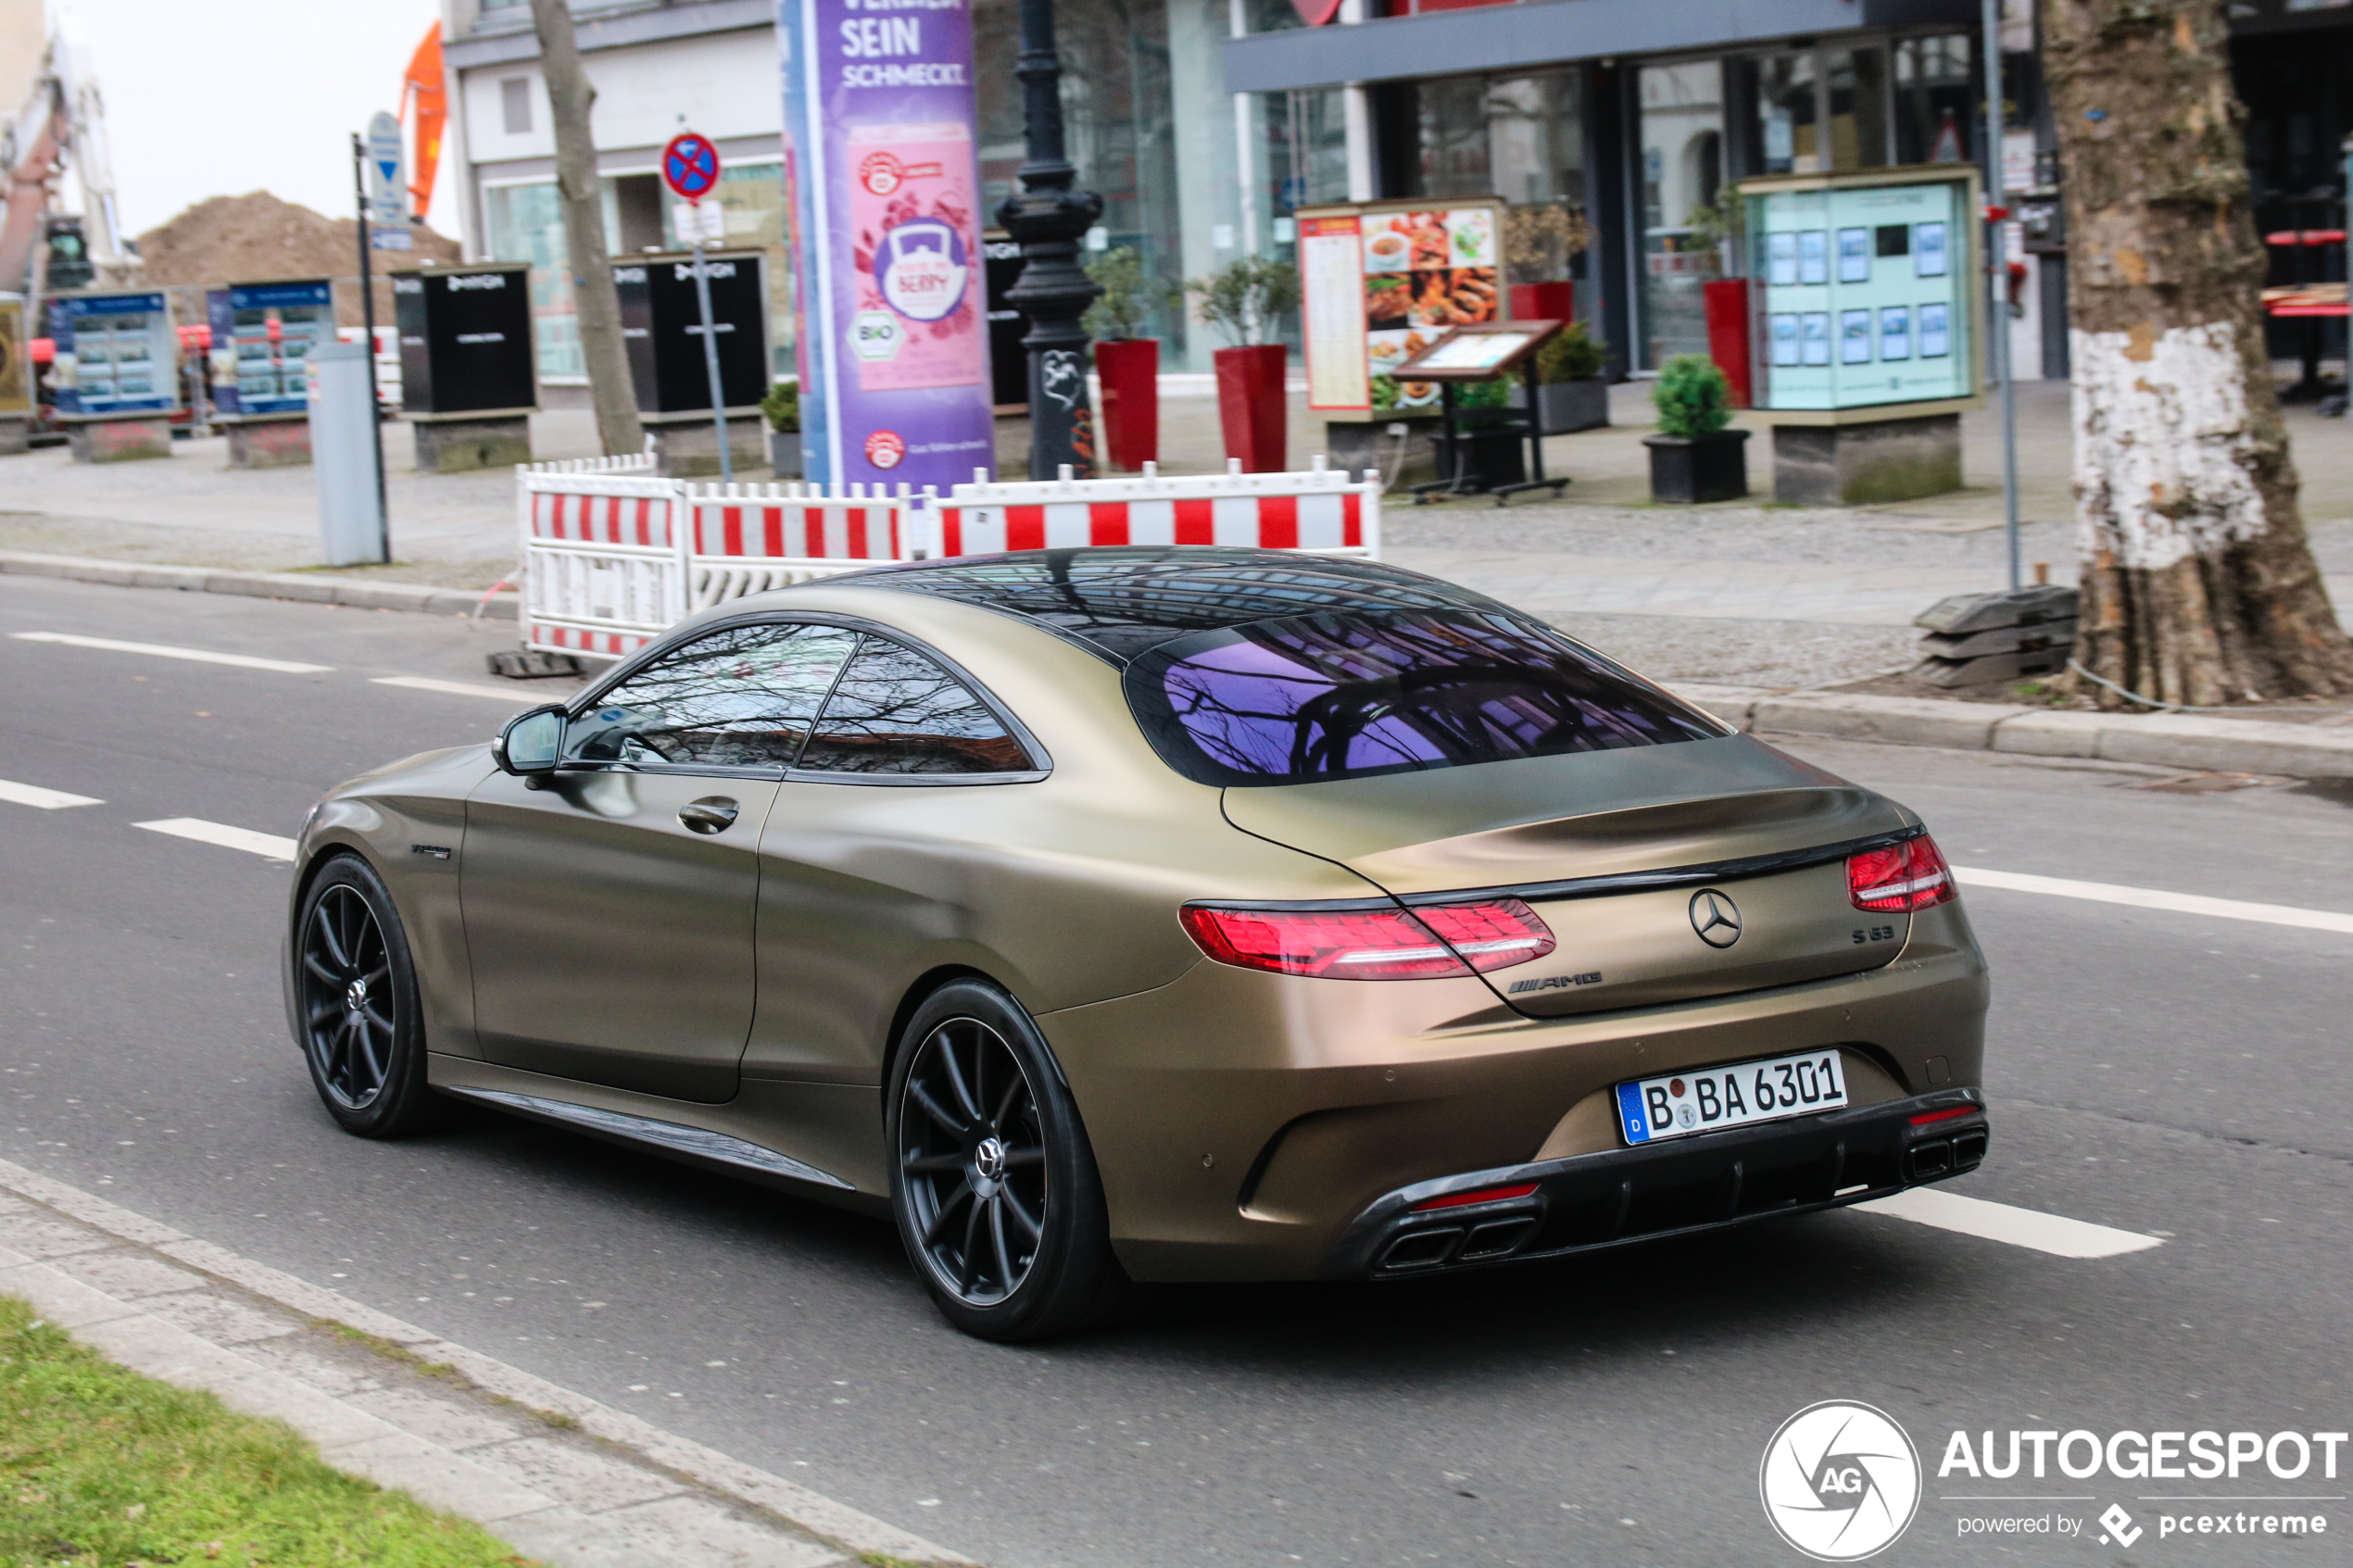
{"x":741,"y":697}
{"x":895,"y":711}
{"x":1335,"y":696}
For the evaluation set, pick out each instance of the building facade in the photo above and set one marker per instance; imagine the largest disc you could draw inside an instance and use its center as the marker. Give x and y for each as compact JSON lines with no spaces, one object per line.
{"x":1205,"y":124}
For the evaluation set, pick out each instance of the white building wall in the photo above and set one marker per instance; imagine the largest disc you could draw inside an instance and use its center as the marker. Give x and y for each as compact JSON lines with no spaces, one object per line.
{"x":725,"y":82}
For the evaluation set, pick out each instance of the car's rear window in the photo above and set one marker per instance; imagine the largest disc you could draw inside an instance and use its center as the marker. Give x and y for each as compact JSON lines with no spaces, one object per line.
{"x":1345,"y":695}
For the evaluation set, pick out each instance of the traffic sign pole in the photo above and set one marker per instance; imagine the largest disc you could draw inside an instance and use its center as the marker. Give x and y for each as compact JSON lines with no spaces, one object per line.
{"x":690,"y":168}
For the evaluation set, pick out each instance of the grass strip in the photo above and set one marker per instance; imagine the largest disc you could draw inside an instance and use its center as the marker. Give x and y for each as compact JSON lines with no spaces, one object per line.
{"x":100,"y":1465}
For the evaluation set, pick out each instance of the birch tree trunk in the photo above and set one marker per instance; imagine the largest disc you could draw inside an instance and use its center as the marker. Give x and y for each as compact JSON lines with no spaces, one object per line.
{"x":594,"y":300}
{"x":2198,"y":585}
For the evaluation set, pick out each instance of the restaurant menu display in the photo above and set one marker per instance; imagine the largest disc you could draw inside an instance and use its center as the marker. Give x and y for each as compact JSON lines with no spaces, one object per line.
{"x":262,"y":335}
{"x":115,"y":354}
{"x":1380,"y":282}
{"x":1865,"y":294}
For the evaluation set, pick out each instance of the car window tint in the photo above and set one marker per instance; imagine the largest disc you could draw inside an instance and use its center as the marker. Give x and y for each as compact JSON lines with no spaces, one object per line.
{"x":895,"y":711}
{"x":1345,"y":695}
{"x":740,"y":697}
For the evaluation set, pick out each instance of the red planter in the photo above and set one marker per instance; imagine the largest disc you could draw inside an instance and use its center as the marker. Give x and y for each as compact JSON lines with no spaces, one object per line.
{"x":1130,"y":372}
{"x":1250,"y":405}
{"x":1728,"y":334}
{"x":1544,"y":302}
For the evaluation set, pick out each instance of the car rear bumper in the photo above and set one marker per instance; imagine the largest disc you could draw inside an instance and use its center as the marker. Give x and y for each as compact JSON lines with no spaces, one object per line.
{"x":1616,"y":1197}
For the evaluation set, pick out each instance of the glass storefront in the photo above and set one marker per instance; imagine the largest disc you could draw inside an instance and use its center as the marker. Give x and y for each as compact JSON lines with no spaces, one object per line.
{"x":525,"y":222}
{"x":1682,"y":172}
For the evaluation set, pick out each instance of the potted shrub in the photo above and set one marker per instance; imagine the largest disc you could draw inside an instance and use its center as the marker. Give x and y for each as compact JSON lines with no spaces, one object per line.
{"x":1244,"y":300}
{"x":1693,"y":457}
{"x":783,"y":407}
{"x":1570,"y":393}
{"x":1127,"y":362}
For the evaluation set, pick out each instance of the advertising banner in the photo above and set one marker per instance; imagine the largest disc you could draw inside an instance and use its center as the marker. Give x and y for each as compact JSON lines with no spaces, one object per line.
{"x":262,"y":335}
{"x":882,"y":191}
{"x":1380,"y":282}
{"x":116,"y":353}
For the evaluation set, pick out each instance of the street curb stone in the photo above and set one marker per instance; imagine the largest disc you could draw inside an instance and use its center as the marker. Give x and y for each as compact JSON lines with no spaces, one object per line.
{"x":260,"y":585}
{"x":142,"y":1335}
{"x":2165,"y":740}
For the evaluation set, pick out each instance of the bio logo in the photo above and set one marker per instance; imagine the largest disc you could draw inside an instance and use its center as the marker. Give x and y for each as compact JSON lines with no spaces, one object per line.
{"x":920,"y":269}
{"x":875,"y":334}
{"x":1840,"y":1481}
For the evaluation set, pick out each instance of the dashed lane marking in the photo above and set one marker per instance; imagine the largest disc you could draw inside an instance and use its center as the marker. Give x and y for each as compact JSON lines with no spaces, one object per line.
{"x":2151,"y":899}
{"x":165,"y":650}
{"x":2053,"y":1233}
{"x":47,"y":799}
{"x":454,"y":688}
{"x":265,"y":844}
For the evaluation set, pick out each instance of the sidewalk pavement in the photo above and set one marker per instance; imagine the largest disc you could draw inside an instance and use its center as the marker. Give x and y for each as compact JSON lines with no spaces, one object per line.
{"x":563,"y":1478}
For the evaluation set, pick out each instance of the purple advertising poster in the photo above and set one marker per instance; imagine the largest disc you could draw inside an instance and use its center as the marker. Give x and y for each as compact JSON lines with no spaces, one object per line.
{"x":882,"y":185}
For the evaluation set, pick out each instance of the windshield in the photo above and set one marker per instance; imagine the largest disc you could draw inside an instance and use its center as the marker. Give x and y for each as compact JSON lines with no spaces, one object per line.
{"x":1344,"y":695}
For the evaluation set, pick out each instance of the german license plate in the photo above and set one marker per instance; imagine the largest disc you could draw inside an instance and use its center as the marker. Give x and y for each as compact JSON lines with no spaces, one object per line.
{"x":1707,"y":1101}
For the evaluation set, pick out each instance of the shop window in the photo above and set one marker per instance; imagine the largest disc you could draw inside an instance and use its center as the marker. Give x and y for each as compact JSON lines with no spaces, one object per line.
{"x":1855,"y":82}
{"x":1787,"y":139}
{"x":526,"y":223}
{"x":1520,"y":137}
{"x":1682,"y":173}
{"x":1934,"y":101}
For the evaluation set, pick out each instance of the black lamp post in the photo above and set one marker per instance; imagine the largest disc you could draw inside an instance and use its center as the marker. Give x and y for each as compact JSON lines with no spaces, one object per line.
{"x":1050,"y":219}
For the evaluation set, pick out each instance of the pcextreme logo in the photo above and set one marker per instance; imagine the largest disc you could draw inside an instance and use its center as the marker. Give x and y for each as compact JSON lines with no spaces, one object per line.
{"x":1841,"y":1481}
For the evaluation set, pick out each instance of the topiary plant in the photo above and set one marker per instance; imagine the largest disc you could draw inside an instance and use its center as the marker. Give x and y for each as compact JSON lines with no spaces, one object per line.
{"x":783,"y":407}
{"x":1691,"y":396}
{"x":1572,"y":354}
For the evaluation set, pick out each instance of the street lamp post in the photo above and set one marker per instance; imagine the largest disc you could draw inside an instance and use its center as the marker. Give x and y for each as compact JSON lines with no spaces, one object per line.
{"x":1050,"y":219}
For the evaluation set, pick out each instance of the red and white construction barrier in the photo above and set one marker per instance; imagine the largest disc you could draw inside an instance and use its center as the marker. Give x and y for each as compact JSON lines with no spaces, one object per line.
{"x":614,"y":554}
{"x":1321,"y":511}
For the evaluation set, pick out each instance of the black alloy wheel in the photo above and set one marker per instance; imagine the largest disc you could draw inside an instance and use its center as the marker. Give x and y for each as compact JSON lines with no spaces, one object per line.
{"x":992,"y":1181}
{"x":973,"y":1158}
{"x":355,"y":1001}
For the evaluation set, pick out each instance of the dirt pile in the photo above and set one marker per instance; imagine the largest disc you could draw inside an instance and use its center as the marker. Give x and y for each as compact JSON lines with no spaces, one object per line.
{"x":256,"y":238}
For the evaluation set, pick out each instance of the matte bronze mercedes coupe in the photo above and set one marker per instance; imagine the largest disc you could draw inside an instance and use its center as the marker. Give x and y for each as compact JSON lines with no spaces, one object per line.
{"x":1110,"y":916}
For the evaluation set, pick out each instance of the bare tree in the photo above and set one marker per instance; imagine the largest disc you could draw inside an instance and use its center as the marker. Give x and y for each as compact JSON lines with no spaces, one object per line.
{"x":2199,"y":585}
{"x":594,"y":298}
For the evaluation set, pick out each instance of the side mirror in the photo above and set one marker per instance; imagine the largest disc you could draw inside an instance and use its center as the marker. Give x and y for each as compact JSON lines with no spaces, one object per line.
{"x":531,"y":743}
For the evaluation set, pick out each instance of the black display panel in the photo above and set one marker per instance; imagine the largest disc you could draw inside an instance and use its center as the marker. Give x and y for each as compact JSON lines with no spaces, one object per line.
{"x":465,"y":340}
{"x":663,"y":325}
{"x":1008,"y":360}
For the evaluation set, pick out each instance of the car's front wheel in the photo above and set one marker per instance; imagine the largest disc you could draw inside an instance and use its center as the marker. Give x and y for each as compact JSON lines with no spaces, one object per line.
{"x":992,"y":1181}
{"x":355,"y":1008}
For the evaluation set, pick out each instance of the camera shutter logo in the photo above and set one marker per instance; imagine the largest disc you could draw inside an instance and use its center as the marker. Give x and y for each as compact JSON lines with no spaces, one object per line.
{"x":1840,"y":1481}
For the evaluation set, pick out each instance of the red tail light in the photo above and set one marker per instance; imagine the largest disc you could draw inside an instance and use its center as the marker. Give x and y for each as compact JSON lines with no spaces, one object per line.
{"x":1910,"y":875}
{"x":1373,"y":943}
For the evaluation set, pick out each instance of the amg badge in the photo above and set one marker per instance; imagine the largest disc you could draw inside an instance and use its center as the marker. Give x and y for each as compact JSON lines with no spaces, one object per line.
{"x":1554,"y":982}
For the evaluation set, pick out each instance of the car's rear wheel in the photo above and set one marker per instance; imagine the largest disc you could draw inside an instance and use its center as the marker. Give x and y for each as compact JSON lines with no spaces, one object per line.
{"x":356,"y":1007}
{"x":992,"y":1181}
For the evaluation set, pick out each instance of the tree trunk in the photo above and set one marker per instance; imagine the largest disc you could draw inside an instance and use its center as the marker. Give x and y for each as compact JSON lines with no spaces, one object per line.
{"x":597,"y":304}
{"x":2198,"y":585}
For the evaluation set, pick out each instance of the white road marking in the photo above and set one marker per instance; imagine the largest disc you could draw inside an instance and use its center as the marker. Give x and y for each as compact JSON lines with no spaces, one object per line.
{"x":164,"y":650}
{"x":454,"y":688}
{"x":47,"y":799}
{"x":265,"y":844}
{"x":2055,"y":1233}
{"x":2151,"y":899}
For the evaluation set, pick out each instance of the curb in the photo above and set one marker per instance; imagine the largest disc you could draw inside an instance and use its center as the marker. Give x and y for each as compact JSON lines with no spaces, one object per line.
{"x":2165,"y":740}
{"x":860,"y":1534}
{"x":260,"y":585}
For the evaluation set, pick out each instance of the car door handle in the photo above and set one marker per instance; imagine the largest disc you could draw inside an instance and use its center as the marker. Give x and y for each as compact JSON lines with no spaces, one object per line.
{"x":712,"y":813}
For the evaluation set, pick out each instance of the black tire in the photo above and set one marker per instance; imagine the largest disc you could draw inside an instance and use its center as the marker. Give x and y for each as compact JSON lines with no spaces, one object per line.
{"x":992,"y":1181}
{"x":356,"y":1014}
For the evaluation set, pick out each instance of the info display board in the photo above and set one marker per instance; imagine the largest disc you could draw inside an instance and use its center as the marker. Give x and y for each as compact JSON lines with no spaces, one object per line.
{"x":1865,"y":288}
{"x":662,"y":323}
{"x":882,"y":189}
{"x":465,"y":340}
{"x":262,"y":335}
{"x":1380,"y":282}
{"x":116,"y":353}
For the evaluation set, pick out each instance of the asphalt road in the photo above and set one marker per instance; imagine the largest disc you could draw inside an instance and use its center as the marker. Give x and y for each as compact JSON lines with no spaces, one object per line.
{"x":2159,"y":1073}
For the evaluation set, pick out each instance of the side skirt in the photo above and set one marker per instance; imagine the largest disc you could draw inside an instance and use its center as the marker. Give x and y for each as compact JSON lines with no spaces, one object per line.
{"x":668,"y":1137}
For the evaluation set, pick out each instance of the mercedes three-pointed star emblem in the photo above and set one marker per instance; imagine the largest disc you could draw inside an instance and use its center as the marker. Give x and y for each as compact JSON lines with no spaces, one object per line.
{"x":1715,"y":917}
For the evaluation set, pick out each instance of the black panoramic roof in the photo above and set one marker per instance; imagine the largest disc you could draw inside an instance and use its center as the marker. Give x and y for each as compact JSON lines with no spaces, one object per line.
{"x":1118,"y":602}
